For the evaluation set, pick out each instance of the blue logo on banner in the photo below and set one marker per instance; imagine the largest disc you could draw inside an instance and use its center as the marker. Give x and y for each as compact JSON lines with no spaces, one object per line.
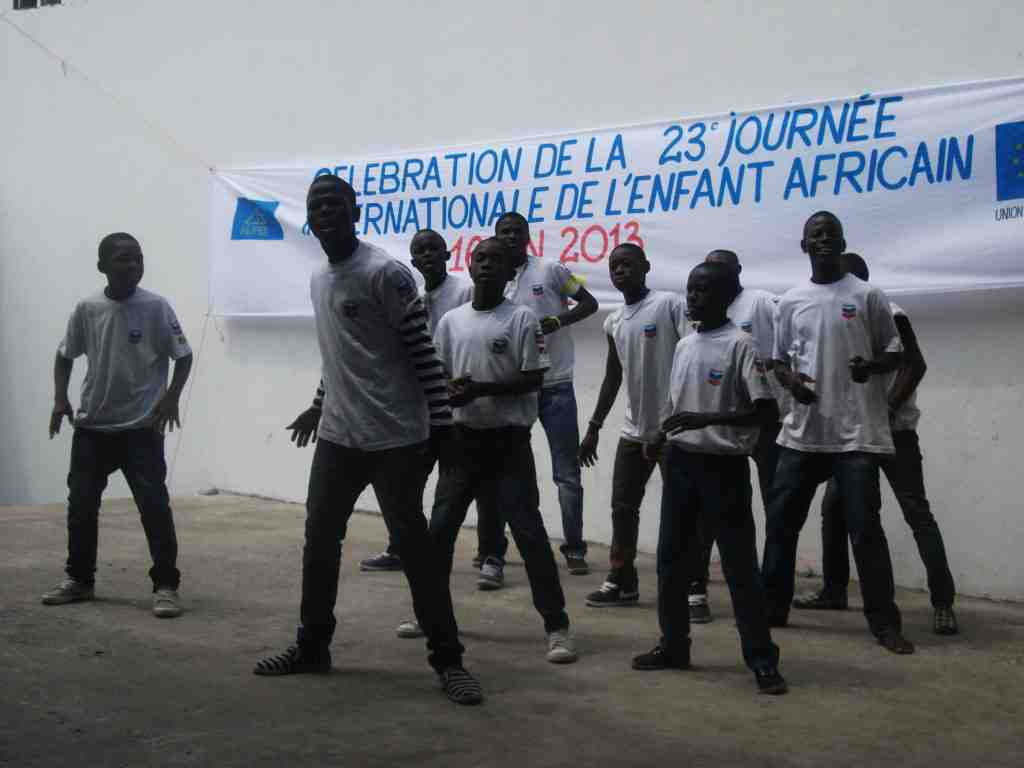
{"x":1010,"y":161}
{"x":255,"y":220}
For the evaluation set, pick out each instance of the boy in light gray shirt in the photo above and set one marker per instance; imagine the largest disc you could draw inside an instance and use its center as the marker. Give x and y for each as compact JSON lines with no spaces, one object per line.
{"x":128,"y":335}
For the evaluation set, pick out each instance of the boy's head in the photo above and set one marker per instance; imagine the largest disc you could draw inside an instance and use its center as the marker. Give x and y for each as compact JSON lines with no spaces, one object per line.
{"x":823,"y":240}
{"x":513,"y":229}
{"x":331,"y":208}
{"x":853,"y":264}
{"x":491,"y":267}
{"x":708,"y":291}
{"x":628,"y":268}
{"x":728,"y":259}
{"x":120,"y":259}
{"x":429,"y":253}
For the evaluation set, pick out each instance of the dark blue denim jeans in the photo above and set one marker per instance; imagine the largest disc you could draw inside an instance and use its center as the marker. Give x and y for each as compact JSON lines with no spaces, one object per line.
{"x":905,"y":474}
{"x":718,"y":488}
{"x":498,"y":464}
{"x":796,"y":480}
{"x":139,"y":454}
{"x":766,"y":458}
{"x":336,"y":479}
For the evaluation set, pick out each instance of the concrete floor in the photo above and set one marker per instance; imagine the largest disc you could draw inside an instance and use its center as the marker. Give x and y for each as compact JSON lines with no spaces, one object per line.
{"x":106,"y":684}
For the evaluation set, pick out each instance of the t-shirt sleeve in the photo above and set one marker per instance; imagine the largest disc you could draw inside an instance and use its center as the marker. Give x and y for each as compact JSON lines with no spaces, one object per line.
{"x":175,"y":344}
{"x":753,"y":378}
{"x":533,"y":354}
{"x":885,"y":337}
{"x":442,"y":336}
{"x":678,"y":311}
{"x":783,"y":333}
{"x":607,"y":325}
{"x":764,"y":322}
{"x":73,"y":343}
{"x":563,"y":281}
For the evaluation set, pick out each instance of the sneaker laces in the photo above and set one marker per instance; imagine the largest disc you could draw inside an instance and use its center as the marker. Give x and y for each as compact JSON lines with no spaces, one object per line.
{"x":609,"y":586}
{"x":697,"y":600}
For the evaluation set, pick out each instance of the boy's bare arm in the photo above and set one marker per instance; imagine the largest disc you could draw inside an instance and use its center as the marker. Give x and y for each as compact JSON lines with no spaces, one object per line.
{"x":167,"y":415}
{"x":61,"y":405}
{"x":605,"y":399}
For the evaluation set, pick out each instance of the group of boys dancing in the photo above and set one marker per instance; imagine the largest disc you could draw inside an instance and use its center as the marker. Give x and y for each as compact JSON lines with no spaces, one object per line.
{"x":816,"y":386}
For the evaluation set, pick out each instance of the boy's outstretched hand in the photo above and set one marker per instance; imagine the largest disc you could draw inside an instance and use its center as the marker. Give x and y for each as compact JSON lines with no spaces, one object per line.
{"x":60,"y":410}
{"x":304,"y":427}
{"x":588,"y":448}
{"x":860,"y":369}
{"x":684,"y":420}
{"x":801,"y":392}
{"x":461,"y":391}
{"x":652,"y":450}
{"x":165,"y":415}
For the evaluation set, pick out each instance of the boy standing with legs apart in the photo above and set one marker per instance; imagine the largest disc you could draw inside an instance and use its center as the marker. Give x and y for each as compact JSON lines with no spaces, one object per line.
{"x":642,"y":338}
{"x":380,"y":373}
{"x":905,"y":474}
{"x":494,"y":352}
{"x":834,"y":332}
{"x":752,"y":311}
{"x":545,"y":286}
{"x":128,"y":334}
{"x":718,"y":398}
{"x":442,"y":292}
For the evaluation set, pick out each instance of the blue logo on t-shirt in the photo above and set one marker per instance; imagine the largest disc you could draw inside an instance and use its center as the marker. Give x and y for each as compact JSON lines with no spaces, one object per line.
{"x":499,"y":345}
{"x":747,"y":326}
{"x":715,"y":377}
{"x":849,"y":311}
{"x":650,"y":330}
{"x":1010,"y":161}
{"x":538,"y":289}
{"x":255,"y":220}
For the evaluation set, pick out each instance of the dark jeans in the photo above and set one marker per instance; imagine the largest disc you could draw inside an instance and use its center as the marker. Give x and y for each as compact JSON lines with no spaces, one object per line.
{"x":336,"y":479}
{"x":766,"y":457}
{"x":629,"y":482}
{"x":905,"y":474}
{"x":139,"y":454}
{"x":491,"y":538}
{"x":498,"y":464}
{"x":718,"y":488}
{"x":796,"y":480}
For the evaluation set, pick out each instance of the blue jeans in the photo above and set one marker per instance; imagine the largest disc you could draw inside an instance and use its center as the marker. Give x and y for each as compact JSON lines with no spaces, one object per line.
{"x":716,"y":488}
{"x":905,"y":474}
{"x":856,"y":477}
{"x":139,"y":454}
{"x":558,"y":416}
{"x":498,"y":464}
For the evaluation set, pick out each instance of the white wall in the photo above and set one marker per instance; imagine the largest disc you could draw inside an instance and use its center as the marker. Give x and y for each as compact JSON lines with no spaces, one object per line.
{"x":176,"y":86}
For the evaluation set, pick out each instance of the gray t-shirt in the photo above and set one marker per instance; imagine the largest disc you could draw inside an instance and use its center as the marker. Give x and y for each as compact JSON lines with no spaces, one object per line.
{"x":908,"y":414}
{"x":717,"y":371}
{"x":455,"y":291}
{"x":128,"y":344}
{"x":545,"y":286}
{"x":753,"y":311}
{"x":373,"y":399}
{"x":493,"y":345}
{"x":645,"y":336}
{"x":818,"y":329}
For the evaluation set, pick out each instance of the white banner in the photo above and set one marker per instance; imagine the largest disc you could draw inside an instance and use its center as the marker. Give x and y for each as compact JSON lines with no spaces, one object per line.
{"x":928,"y":183}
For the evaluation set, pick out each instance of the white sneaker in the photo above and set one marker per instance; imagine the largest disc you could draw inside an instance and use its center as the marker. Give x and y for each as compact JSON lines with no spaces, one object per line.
{"x":69,"y":591}
{"x":166,"y":603}
{"x":561,"y":647}
{"x":410,"y":628}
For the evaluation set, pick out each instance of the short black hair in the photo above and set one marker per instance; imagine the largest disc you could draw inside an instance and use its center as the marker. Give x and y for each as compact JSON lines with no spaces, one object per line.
{"x":511,"y":215}
{"x":336,"y":181}
{"x":495,"y":242}
{"x":855,"y":265}
{"x":632,"y":248}
{"x":428,"y":231}
{"x":720,"y":274}
{"x":107,"y":244}
{"x":825,"y":215}
{"x":730,"y":256}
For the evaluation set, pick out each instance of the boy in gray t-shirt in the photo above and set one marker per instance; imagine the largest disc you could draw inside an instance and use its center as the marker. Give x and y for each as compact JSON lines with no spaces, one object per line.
{"x":128,"y":335}
{"x":718,"y":398}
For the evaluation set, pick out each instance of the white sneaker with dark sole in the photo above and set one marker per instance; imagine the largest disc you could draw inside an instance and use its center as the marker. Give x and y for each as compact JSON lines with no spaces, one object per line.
{"x":409,"y":629}
{"x":69,"y":591}
{"x":611,"y":594}
{"x":492,"y":575}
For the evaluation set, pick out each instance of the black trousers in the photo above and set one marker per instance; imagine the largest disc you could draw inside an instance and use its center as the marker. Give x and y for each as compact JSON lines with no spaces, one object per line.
{"x":139,"y":454}
{"x":336,"y":479}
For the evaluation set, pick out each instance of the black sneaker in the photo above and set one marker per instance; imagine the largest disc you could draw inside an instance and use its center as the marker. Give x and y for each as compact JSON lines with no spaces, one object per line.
{"x":460,"y":686}
{"x":293,"y":662}
{"x":658,"y":658}
{"x":577,"y":564}
{"x":821,"y":601}
{"x":769,"y":681}
{"x":945,"y":621}
{"x":700,"y":611}
{"x":385,"y":561}
{"x":611,"y":594}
